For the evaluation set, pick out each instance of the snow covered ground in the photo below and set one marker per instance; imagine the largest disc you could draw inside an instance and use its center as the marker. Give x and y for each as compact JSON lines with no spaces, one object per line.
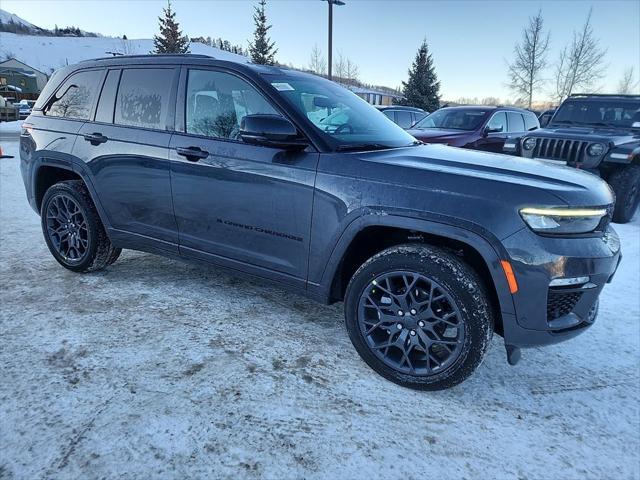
{"x":159,"y":369}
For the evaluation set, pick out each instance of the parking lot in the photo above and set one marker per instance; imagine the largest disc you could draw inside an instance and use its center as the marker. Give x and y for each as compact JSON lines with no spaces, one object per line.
{"x":154,"y":368}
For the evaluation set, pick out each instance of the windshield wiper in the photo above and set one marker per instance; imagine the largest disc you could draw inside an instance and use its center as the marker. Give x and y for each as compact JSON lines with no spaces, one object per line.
{"x":602,"y":124}
{"x":362,"y":146}
{"x":568,"y":122}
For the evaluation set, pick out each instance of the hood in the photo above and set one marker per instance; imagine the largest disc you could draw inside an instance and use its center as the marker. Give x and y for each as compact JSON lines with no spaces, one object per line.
{"x":497,"y":175}
{"x":606,"y":135}
{"x":435,"y":134}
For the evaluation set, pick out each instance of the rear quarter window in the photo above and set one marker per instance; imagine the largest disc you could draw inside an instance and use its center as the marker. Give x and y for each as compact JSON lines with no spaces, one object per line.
{"x":143,"y":97}
{"x":76,"y":96}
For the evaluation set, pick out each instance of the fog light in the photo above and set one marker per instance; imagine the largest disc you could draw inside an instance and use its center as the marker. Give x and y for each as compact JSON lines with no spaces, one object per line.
{"x":529,"y":143}
{"x":564,"y":282}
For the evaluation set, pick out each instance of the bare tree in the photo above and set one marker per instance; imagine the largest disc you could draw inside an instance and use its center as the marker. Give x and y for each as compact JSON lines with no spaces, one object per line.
{"x":317,"y":64}
{"x":351,"y":71}
{"x":340,"y":66}
{"x":525,"y":72}
{"x":580,"y":64}
{"x":626,"y":85}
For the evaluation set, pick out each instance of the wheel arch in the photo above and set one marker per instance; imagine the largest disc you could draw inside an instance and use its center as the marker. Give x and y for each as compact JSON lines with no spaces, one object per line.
{"x":366,"y":236}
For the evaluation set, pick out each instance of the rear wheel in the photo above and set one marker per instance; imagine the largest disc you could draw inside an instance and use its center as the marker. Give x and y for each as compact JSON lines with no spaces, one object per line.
{"x":625,"y":182}
{"x":72,"y":228}
{"x":419,"y":316}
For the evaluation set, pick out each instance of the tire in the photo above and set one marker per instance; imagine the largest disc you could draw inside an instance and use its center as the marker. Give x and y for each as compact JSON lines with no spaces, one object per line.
{"x":88,"y":248}
{"x":456,"y":283}
{"x":625,"y":183}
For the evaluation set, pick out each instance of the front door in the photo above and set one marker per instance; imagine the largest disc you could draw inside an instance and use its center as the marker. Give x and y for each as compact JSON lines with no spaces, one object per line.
{"x":495,"y":134}
{"x":242,"y":205}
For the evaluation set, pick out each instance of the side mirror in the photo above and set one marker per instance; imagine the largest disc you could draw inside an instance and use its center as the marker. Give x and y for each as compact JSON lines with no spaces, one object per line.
{"x":271,"y":131}
{"x":489,"y":130}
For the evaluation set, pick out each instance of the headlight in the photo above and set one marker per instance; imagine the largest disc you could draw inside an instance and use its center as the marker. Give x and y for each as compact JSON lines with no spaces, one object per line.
{"x":563,"y":220}
{"x":529,"y":143}
{"x":596,"y":149}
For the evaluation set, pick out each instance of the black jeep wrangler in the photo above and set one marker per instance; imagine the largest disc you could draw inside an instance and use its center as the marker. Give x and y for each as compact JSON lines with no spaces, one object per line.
{"x":597,"y":133}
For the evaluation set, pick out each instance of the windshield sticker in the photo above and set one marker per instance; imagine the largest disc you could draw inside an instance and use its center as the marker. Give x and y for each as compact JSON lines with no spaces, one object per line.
{"x":282,"y":86}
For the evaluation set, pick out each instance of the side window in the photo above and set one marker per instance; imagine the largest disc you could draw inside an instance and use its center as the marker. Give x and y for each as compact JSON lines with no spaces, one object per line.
{"x":217,"y":102}
{"x":403,"y":118}
{"x":75,"y":97}
{"x":106,"y":102}
{"x":498,"y":122}
{"x":530,"y":122}
{"x":516,"y":123}
{"x":143,"y":97}
{"x":390,"y":114}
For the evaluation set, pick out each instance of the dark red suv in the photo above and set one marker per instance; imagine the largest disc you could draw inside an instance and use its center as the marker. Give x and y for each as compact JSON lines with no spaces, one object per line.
{"x":480,"y":128}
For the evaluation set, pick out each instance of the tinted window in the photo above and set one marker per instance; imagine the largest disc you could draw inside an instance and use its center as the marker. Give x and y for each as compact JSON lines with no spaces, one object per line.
{"x":390,"y":114}
{"x":403,"y":119}
{"x":453,"y":119}
{"x":605,"y":112}
{"x":516,"y":123}
{"x":217,"y":102}
{"x":530,"y":122}
{"x":143,"y":97}
{"x":498,"y":122}
{"x":75,"y":97}
{"x":104,"y":111}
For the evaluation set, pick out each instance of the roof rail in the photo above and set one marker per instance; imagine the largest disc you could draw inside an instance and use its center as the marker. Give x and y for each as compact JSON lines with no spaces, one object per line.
{"x":152,"y":55}
{"x":604,"y":95}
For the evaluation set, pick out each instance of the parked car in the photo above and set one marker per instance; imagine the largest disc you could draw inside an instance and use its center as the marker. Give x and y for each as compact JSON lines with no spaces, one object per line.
{"x":545,"y":117}
{"x":25,"y":107}
{"x":406,"y":117}
{"x":479,"y":128}
{"x":598,"y":133}
{"x":432,"y":249}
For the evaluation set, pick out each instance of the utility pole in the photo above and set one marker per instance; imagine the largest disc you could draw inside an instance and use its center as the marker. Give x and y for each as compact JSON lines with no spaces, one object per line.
{"x":330,"y":53}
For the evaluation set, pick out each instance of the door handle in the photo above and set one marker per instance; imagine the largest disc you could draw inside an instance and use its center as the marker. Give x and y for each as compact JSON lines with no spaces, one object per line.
{"x":95,"y":138}
{"x":193,"y":154}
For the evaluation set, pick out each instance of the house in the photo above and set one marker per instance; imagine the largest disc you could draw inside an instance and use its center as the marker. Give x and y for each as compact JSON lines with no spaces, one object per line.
{"x":41,"y":77}
{"x":17,"y":80}
{"x":375,"y":97}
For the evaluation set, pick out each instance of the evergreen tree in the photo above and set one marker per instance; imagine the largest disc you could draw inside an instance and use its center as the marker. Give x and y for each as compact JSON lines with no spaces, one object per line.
{"x":422,"y":89}
{"x":170,"y":39}
{"x":262,"y":49}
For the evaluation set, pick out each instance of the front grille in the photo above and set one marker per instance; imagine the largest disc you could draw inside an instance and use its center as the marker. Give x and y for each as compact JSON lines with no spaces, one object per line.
{"x":560,"y":149}
{"x":561,"y":303}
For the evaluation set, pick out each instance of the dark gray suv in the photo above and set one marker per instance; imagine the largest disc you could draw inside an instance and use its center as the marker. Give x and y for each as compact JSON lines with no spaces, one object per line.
{"x":431,"y":248}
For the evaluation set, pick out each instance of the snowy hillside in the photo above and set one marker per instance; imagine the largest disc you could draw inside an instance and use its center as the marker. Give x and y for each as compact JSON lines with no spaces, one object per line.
{"x":6,"y":17}
{"x":50,"y":53}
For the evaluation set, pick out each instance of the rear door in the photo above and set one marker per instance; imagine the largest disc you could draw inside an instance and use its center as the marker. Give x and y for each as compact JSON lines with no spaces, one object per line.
{"x":242,"y":205}
{"x":126,"y":149}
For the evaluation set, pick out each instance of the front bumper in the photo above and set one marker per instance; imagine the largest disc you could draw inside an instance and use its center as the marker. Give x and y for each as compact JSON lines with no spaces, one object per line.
{"x":548,"y":314}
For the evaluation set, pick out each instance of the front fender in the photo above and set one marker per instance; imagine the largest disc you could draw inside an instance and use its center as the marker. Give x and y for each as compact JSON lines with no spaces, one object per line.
{"x":487,"y":245}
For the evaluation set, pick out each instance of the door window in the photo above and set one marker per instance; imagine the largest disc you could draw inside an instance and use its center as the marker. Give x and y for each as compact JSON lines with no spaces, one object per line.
{"x":403,"y":118}
{"x":217,"y":102}
{"x":516,"y":123}
{"x":74,"y":99}
{"x":143,"y":97}
{"x":390,"y":114}
{"x":530,"y":122}
{"x":498,"y":122}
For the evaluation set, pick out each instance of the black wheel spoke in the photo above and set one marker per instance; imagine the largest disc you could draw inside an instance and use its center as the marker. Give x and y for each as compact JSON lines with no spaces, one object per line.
{"x":67,"y":228}
{"x":411,"y":323}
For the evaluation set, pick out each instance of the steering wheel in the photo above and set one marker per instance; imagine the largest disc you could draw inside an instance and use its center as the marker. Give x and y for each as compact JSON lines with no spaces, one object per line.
{"x":342,"y":127}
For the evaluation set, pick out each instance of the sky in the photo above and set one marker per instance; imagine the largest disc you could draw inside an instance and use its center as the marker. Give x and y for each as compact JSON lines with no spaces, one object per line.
{"x":471,"y":41}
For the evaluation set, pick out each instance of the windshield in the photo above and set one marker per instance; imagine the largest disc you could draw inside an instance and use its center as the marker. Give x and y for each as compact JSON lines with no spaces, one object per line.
{"x":453,"y":119}
{"x":617,"y":114}
{"x":346,"y":120}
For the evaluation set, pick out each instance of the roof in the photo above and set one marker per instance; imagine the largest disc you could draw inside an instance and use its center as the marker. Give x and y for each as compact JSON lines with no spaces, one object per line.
{"x":603,"y":96}
{"x":22,"y":63}
{"x":400,"y":107}
{"x":21,"y":71}
{"x":489,"y":107}
{"x":356,"y":89}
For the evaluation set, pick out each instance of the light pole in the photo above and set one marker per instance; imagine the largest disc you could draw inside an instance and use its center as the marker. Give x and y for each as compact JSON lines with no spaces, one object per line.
{"x":330,"y":59}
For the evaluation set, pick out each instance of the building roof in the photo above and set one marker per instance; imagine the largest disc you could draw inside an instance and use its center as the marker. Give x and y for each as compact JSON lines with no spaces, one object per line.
{"x":20,"y":71}
{"x":22,"y":63}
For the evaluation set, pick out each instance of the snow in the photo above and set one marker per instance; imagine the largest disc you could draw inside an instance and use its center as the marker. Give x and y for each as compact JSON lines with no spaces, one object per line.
{"x":50,"y":53}
{"x":6,"y":17}
{"x":155,"y":368}
{"x":11,"y":127}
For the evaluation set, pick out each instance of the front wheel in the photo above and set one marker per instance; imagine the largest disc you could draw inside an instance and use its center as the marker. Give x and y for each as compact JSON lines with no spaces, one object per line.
{"x":419,"y":316}
{"x":625,"y":182}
